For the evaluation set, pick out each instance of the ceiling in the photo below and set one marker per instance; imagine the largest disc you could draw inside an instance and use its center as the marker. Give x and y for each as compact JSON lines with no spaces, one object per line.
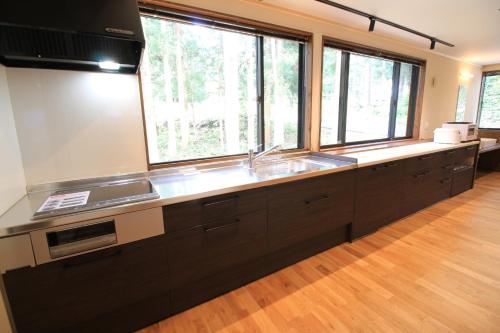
{"x":472,"y":25}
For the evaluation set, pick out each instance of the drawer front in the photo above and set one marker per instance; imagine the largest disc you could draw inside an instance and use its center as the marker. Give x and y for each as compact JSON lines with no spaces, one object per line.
{"x":466,"y":157}
{"x":378,"y":197}
{"x":421,"y":163}
{"x":205,"y":250}
{"x":424,"y":189}
{"x":462,"y":181}
{"x":203,"y":211}
{"x":446,"y":159}
{"x":83,"y":293}
{"x":302,"y":210}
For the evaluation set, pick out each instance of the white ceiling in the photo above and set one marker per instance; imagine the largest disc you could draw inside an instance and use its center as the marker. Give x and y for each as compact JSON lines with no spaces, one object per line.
{"x":472,"y":25}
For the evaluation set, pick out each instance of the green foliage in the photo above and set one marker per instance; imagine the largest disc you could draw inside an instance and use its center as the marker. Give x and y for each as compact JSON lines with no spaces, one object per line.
{"x":200,"y":53}
{"x":490,"y":103}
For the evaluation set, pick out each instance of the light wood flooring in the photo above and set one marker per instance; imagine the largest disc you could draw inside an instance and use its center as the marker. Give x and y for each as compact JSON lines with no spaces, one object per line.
{"x":435,"y":271}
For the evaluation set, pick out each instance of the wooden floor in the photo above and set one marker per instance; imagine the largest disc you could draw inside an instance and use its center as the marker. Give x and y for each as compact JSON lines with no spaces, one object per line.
{"x":435,"y":271}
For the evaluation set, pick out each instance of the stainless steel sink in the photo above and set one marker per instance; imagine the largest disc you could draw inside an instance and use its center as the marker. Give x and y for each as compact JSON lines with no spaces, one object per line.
{"x":284,"y":167}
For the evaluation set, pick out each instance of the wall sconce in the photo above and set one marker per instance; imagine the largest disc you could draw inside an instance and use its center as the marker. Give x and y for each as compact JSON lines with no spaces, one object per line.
{"x":466,"y":76}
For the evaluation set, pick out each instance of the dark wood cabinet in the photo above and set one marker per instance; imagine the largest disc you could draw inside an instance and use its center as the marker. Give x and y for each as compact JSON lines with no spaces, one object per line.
{"x":464,"y":169}
{"x":203,"y":251}
{"x":195,"y":213}
{"x":378,"y":197}
{"x":113,"y":290}
{"x":427,"y":180}
{"x":301,"y":210}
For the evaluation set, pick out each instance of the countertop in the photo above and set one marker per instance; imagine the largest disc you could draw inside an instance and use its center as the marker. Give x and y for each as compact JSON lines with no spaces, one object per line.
{"x":191,"y":183}
{"x":377,"y":156}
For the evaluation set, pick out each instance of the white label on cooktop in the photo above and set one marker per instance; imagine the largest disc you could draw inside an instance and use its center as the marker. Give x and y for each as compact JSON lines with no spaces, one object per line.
{"x":67,"y":200}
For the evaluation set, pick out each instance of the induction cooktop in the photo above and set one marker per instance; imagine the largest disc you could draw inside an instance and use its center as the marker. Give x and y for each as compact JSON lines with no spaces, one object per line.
{"x":91,"y":198}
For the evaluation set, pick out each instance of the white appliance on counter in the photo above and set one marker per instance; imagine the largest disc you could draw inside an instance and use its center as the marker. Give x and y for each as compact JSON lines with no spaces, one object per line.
{"x":468,"y":131}
{"x":447,"y":135}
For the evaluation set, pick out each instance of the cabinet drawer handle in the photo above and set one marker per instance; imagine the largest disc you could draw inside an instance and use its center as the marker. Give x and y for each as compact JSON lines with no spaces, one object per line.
{"x":323,"y":197}
{"x":378,"y":168}
{"x":390,"y":165}
{"x":79,"y":261}
{"x":451,"y":152}
{"x":422,"y":174}
{"x":236,"y":221}
{"x":448,"y":167}
{"x":425,"y":158}
{"x":470,"y":148}
{"x":445,"y":181}
{"x":213,"y":203}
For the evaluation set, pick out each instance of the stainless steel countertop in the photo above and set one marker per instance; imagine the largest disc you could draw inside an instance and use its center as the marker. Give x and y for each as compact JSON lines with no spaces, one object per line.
{"x":174,"y":185}
{"x":182,"y":184}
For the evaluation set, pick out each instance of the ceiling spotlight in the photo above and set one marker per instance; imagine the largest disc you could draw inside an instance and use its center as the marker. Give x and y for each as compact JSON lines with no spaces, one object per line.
{"x":109,"y":65}
{"x":372,"y":24}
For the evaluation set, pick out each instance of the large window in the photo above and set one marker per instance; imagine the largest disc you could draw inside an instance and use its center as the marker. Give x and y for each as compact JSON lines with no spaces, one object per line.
{"x":489,"y":110}
{"x":212,"y":90}
{"x":366,"y":98}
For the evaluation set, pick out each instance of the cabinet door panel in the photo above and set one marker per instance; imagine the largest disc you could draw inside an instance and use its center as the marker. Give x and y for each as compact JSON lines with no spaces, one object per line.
{"x":85,"y":293}
{"x":378,"y":197}
{"x":462,"y":181}
{"x":202,"y":251}
{"x":302,"y":210}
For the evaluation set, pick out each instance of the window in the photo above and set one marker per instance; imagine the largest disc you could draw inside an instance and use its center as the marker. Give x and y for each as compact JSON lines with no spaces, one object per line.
{"x":366,"y":97}
{"x":212,"y":90}
{"x":461,"y":103}
{"x":489,"y":109}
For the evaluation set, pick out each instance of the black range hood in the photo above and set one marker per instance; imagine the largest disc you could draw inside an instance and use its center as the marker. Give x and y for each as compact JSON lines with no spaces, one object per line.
{"x":90,"y":35}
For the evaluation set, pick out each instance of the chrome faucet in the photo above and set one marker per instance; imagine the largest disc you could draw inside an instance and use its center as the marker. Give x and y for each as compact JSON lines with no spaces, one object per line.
{"x":252,"y":157}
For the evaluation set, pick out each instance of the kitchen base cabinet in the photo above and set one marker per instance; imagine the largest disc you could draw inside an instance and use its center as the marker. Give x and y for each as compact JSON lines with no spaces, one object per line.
{"x":464,"y":171}
{"x":112,"y":290}
{"x":462,"y":181}
{"x":305,"y":209}
{"x":426,"y":180}
{"x":378,"y":197}
{"x":197,"y":292}
{"x":218,"y":246}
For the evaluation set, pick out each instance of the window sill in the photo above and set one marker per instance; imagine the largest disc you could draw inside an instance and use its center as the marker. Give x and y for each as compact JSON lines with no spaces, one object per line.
{"x":210,"y":160}
{"x":372,"y":146}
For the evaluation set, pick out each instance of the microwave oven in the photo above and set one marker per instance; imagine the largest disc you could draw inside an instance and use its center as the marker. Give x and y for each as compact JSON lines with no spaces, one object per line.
{"x":468,"y":131}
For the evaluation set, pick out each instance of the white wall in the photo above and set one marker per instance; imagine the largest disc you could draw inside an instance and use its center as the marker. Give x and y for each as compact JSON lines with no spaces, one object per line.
{"x":75,"y":125}
{"x":12,"y":183}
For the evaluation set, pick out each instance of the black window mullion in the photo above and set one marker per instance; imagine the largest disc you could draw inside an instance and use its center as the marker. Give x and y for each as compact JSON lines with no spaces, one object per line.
{"x":394,"y":99}
{"x":301,"y":101}
{"x":412,"y":105}
{"x":343,"y":95}
{"x":261,"y":137}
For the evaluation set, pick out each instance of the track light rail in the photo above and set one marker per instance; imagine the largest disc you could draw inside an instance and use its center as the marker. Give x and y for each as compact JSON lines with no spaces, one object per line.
{"x":373,"y":19}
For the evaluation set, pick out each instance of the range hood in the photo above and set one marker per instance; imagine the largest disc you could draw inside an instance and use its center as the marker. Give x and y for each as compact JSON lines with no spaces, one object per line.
{"x":90,"y":35}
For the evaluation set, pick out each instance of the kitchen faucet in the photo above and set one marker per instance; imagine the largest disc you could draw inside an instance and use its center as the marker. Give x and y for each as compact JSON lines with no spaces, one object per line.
{"x":252,"y":157}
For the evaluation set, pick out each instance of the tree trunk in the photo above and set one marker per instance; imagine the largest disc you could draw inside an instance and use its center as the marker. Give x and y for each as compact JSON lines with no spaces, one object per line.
{"x":251,"y":104}
{"x":169,"y":98}
{"x":279,"y":96}
{"x":231,"y":120}
{"x":336,"y":92}
{"x":149,"y":109}
{"x":181,"y":88}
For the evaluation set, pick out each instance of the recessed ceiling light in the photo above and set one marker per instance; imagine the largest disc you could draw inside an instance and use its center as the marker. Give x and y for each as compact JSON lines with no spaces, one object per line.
{"x":109,"y":65}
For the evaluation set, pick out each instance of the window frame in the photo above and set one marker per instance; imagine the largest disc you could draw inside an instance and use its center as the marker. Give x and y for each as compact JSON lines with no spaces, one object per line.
{"x":415,"y":97}
{"x":215,"y":20}
{"x":481,"y":95}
